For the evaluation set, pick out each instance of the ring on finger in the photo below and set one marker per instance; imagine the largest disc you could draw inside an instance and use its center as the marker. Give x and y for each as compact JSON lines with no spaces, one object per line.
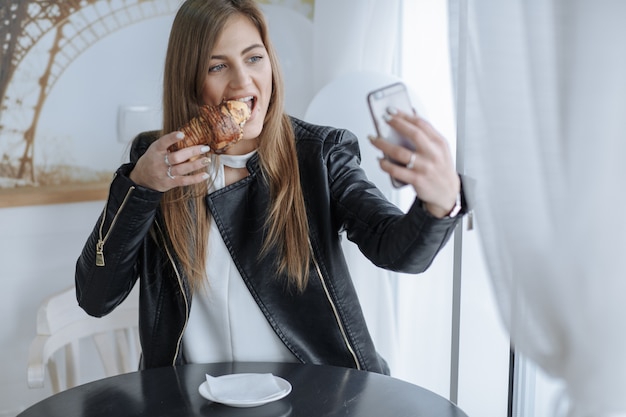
{"x":411,"y":161}
{"x":169,"y":172}
{"x":167,"y":160}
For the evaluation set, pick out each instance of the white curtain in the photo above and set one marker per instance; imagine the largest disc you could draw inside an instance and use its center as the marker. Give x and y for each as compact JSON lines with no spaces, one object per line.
{"x":542,"y":90}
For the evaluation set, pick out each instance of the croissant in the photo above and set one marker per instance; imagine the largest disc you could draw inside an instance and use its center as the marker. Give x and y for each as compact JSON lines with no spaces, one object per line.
{"x":217,"y":126}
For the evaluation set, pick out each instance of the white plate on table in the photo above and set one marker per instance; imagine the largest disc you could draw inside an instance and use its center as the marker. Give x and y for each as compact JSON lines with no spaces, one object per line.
{"x":283,"y":385}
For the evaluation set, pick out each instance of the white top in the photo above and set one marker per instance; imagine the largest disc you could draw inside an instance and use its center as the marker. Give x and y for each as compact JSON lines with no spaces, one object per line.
{"x":225,"y":323}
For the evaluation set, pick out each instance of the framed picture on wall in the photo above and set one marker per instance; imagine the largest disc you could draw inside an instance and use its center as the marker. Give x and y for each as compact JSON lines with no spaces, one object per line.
{"x":61,"y":88}
{"x":65,"y":75}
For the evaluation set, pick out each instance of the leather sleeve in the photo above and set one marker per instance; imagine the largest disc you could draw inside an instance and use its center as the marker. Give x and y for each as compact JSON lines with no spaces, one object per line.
{"x":388,"y":237}
{"x":120,"y":230}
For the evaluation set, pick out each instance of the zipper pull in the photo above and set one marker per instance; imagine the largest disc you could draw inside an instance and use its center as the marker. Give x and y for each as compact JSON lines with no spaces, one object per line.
{"x":100,"y":253}
{"x":470,"y":220}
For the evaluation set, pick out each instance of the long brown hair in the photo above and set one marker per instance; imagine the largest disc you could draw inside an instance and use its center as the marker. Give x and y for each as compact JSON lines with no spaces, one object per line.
{"x":194,"y":33}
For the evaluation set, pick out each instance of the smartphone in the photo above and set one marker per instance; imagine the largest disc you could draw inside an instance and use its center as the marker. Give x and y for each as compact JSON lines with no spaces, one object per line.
{"x":394,"y":95}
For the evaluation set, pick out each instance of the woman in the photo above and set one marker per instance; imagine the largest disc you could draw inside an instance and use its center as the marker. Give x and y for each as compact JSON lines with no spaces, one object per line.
{"x":253,"y":236}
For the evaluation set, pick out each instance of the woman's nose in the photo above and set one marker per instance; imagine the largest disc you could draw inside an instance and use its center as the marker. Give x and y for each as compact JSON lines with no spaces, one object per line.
{"x":240,"y":77}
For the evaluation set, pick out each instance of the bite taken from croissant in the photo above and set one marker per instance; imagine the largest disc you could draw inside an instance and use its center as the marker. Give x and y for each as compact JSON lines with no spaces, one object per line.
{"x":219,"y":126}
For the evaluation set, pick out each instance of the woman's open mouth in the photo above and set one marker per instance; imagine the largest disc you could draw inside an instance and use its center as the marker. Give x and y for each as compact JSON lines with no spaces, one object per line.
{"x":249,"y":100}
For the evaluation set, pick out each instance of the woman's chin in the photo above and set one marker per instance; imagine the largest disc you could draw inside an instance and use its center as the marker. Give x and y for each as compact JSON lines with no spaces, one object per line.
{"x":252,"y":130}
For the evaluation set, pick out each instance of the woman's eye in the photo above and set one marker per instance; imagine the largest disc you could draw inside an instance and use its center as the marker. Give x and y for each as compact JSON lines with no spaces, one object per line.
{"x":255,"y":59}
{"x":216,"y":68}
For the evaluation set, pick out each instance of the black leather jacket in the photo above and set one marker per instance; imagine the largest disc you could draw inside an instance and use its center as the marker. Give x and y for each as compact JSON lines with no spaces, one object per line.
{"x":322,"y":325}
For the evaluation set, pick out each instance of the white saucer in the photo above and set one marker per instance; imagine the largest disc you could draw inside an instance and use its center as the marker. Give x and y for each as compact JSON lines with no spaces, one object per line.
{"x":285,"y":389}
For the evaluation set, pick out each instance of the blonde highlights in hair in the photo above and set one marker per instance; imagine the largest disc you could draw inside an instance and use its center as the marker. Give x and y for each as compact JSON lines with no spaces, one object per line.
{"x":194,"y":33}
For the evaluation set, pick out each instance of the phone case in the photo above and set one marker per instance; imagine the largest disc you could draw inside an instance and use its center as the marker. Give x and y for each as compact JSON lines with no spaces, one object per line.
{"x":394,"y":95}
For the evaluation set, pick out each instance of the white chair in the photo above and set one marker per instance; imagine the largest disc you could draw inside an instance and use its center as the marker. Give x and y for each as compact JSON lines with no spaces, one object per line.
{"x":63,"y":328}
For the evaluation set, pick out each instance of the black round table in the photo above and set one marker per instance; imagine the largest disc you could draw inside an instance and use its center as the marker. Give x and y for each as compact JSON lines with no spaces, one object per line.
{"x":318,"y":391}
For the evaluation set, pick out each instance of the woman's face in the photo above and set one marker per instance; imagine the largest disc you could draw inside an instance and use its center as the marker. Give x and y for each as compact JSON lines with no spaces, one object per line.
{"x":240,"y":69}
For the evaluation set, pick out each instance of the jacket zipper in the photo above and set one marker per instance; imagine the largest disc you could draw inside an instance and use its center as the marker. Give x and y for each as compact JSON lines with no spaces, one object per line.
{"x":102,"y":240}
{"x":182,"y":291}
{"x":336,"y":313}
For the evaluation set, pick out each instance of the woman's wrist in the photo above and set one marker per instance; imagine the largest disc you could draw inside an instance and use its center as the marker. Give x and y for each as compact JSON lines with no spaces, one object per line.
{"x":441,"y":212}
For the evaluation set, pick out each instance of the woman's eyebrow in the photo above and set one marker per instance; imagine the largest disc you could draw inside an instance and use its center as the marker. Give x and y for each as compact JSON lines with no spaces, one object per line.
{"x":245,"y":51}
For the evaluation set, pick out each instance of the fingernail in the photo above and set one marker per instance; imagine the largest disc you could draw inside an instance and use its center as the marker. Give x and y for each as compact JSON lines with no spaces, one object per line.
{"x":180,"y":135}
{"x":206,"y":161}
{"x":372,"y":138}
{"x":205,"y":176}
{"x":205,"y":149}
{"x":392,"y":110}
{"x":387,"y":117}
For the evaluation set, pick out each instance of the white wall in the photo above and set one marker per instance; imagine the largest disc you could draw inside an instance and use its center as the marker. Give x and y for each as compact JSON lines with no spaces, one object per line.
{"x":39,"y":244}
{"x":38,"y":248}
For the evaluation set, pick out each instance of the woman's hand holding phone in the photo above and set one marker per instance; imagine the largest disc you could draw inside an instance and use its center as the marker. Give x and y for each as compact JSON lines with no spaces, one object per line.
{"x":428,"y":166}
{"x":394,"y":96}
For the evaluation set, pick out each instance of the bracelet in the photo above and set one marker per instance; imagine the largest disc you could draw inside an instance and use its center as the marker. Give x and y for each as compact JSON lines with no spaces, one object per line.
{"x":457,"y":207}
